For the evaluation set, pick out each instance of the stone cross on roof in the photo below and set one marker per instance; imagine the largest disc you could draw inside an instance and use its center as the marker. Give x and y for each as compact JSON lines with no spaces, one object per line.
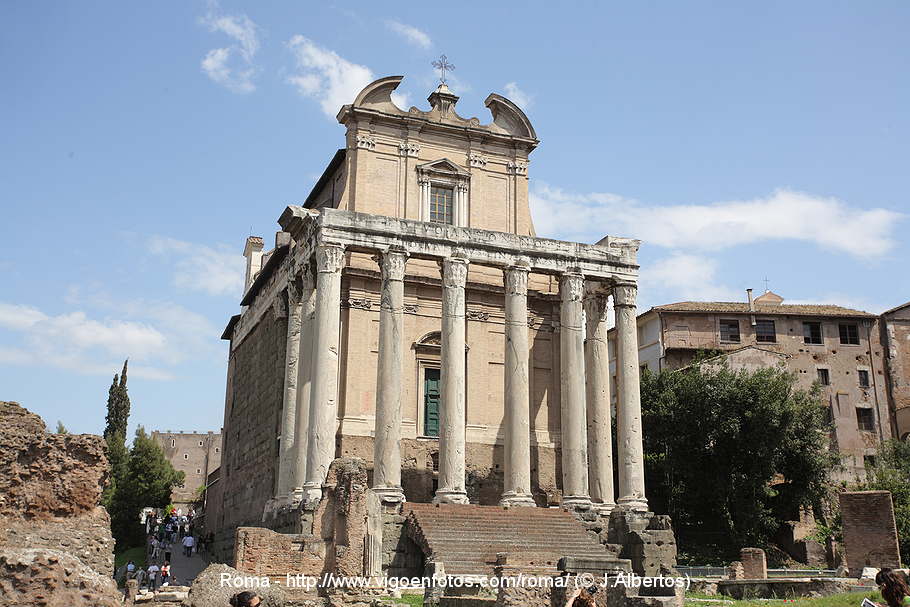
{"x":442,"y":64}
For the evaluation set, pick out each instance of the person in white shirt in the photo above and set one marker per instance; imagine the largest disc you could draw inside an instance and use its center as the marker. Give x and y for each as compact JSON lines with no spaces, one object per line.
{"x":153,"y":577}
{"x":188,"y":543}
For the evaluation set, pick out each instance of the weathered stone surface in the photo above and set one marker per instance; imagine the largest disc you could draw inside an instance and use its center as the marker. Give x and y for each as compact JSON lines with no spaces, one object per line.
{"x":87,"y":537}
{"x":647,"y":540}
{"x":870,"y":533}
{"x":208,"y":591}
{"x":51,"y":578}
{"x":45,"y":475}
{"x":755,"y":566}
{"x":50,"y":485}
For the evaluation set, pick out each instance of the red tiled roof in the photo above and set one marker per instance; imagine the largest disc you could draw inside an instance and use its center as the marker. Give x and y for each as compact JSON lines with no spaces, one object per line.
{"x":734,"y":307}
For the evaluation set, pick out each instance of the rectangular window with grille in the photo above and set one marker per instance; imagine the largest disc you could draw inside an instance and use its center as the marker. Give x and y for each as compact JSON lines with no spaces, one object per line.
{"x":442,"y":202}
{"x":812,"y":332}
{"x":865,"y":419}
{"x":764,"y":331}
{"x":863,"y":376}
{"x":849,"y":334}
{"x":729,"y":331}
{"x":824,"y":378}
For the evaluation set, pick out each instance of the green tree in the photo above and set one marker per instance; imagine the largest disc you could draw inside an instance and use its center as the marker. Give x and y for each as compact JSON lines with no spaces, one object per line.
{"x":118,"y":413}
{"x":118,"y":405}
{"x":148,"y":482}
{"x":61,"y":429}
{"x":732,"y":454}
{"x":891,"y":472}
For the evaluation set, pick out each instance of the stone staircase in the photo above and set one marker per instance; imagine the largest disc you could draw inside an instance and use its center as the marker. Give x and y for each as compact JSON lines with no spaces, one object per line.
{"x":467,"y":538}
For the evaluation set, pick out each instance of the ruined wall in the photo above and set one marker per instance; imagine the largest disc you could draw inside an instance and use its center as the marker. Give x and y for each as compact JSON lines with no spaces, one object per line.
{"x":896,"y":337}
{"x":870,"y":535}
{"x":55,"y":540}
{"x":252,"y":421}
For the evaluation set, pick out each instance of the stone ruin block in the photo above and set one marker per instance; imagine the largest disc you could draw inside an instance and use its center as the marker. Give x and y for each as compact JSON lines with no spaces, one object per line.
{"x":755,"y":566}
{"x":870,"y":533}
{"x":647,"y":540}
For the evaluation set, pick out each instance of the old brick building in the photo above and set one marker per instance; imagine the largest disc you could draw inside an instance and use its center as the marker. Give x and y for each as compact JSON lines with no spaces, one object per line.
{"x":197,"y":454}
{"x":895,"y":336}
{"x":838,"y":347}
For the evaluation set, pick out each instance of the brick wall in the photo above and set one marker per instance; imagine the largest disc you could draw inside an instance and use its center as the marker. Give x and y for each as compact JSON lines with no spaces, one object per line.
{"x":870,"y":535}
{"x":251,"y":426}
{"x":263,"y":552}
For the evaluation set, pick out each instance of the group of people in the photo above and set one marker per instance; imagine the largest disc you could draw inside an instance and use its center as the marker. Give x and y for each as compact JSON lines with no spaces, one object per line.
{"x":164,"y":531}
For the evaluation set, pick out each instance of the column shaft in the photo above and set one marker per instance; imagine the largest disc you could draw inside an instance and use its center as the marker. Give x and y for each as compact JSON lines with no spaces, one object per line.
{"x":597,"y":379}
{"x":452,"y":379}
{"x":517,"y":395}
{"x":628,"y":407}
{"x":572,"y":368}
{"x":386,"y":443}
{"x":324,"y":388}
{"x":304,"y":382}
{"x":287,"y":446}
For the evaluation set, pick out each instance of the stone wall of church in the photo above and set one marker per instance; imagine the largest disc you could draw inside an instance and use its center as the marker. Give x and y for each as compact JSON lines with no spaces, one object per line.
{"x":252,"y":423}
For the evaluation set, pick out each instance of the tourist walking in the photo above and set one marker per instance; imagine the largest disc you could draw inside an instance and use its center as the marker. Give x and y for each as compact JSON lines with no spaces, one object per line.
{"x":188,"y":543}
{"x":153,"y":571}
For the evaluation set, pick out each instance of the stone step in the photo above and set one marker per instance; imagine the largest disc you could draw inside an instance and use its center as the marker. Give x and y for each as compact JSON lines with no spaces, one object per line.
{"x":467,"y":538}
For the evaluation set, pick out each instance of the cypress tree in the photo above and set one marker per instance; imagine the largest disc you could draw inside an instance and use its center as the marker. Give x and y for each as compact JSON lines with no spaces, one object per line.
{"x":118,"y":412}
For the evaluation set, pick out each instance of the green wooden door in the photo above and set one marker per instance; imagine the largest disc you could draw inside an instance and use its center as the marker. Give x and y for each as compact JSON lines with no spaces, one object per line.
{"x":431,"y":402}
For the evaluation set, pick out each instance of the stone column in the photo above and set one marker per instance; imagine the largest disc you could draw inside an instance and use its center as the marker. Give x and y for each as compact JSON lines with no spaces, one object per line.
{"x":304,"y":382}
{"x":324,"y":387}
{"x":386,"y":443}
{"x":597,"y":381}
{"x":628,"y":404}
{"x":287,"y":447}
{"x":572,"y":368}
{"x":517,"y":452}
{"x":452,"y":378}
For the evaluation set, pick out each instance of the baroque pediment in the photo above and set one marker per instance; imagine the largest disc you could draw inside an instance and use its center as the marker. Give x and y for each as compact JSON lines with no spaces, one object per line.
{"x":508,"y":118}
{"x":443,"y":165}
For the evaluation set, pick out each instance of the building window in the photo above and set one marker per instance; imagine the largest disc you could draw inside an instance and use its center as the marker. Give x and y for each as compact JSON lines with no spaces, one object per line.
{"x":200,"y":443}
{"x":865,"y":420}
{"x":216,"y":449}
{"x":186,"y":456}
{"x":863,"y":376}
{"x":812,"y":332}
{"x":442,"y":203}
{"x":729,"y":331}
{"x":849,"y":334}
{"x":198,"y":471}
{"x":764,"y":331}
{"x":173,"y":442}
{"x":824,"y":378}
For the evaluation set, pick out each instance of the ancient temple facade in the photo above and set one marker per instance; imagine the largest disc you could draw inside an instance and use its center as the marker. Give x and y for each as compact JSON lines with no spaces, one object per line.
{"x":408,"y":315}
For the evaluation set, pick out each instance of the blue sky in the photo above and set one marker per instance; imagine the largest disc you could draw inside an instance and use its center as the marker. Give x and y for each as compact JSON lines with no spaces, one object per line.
{"x":143,"y":142}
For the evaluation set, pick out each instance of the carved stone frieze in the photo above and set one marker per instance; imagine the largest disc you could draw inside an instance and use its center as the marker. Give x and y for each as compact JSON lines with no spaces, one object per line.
{"x":358,"y":304}
{"x":410,"y":308}
{"x":478,"y":315}
{"x":477,"y":160}
{"x":517,"y":167}
{"x":409,"y":149}
{"x":366,"y":142}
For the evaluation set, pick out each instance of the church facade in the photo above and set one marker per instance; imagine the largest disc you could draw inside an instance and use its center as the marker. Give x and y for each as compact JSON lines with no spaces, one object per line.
{"x":408,"y":315}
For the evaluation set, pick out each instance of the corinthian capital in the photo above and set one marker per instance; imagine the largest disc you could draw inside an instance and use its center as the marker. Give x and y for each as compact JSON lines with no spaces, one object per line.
{"x":329,"y":258}
{"x":392,"y":264}
{"x":454,"y":272}
{"x":596,"y":307}
{"x":624,"y":294}
{"x":571,"y":286}
{"x":516,"y":282}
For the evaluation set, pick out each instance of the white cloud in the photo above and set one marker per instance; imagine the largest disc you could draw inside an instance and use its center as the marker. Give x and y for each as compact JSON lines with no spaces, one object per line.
{"x":515,"y":94}
{"x":410,"y":33}
{"x":325,"y":76}
{"x":197,"y":267}
{"x":783,"y":215}
{"x":683,"y":276}
{"x":231,"y":66}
